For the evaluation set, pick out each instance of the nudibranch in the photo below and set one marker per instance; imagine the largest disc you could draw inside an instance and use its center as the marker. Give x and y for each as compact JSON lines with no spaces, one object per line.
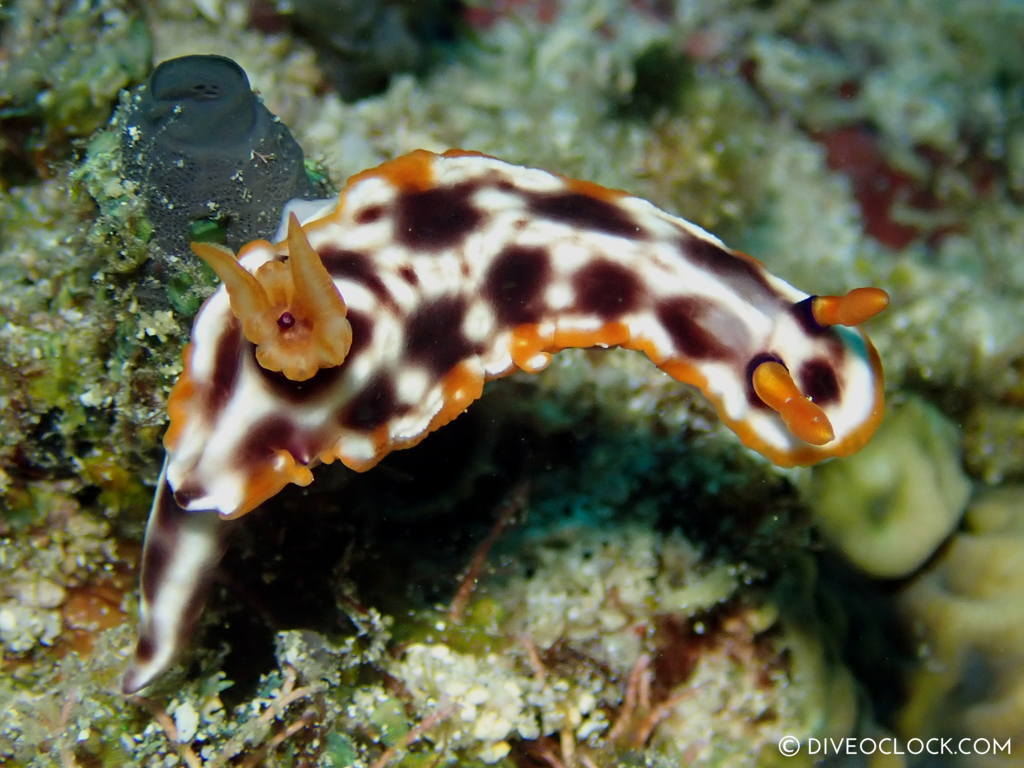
{"x":378,"y":318}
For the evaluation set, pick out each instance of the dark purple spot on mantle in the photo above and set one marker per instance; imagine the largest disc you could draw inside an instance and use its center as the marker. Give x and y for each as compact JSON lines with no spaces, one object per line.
{"x":409,"y":275}
{"x":359,"y":268}
{"x":436,"y":218}
{"x":606,"y":289}
{"x":145,"y":649}
{"x":270,"y":435}
{"x":515,"y":282}
{"x":818,"y":381}
{"x":743,"y":277}
{"x":362,"y":332}
{"x":160,"y":542}
{"x":681,"y":319}
{"x":184,"y":496}
{"x":371,"y":407}
{"x":227,"y":362}
{"x":158,"y":555}
{"x":433,"y":335}
{"x":586,"y":213}
{"x":369,"y":214}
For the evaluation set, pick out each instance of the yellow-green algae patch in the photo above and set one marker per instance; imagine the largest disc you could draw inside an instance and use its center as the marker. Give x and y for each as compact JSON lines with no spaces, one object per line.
{"x":967,"y":610}
{"x":86,"y":369}
{"x":63,"y":65}
{"x":890,"y":506}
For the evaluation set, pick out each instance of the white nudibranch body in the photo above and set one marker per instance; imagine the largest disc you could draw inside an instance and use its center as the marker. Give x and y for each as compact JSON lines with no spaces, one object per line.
{"x":379,"y":319}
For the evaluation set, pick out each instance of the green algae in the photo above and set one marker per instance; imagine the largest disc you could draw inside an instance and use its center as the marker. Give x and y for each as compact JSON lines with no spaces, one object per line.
{"x":339,"y":751}
{"x":662,"y":74}
{"x":75,"y":331}
{"x":64,"y":67}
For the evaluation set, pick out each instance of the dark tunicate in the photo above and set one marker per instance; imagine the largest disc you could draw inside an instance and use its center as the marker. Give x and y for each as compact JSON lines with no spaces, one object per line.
{"x":205,"y":148}
{"x":214,"y":91}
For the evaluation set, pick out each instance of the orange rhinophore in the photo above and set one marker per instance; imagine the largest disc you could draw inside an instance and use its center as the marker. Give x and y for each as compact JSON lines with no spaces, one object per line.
{"x":777,"y":390}
{"x":856,"y":307}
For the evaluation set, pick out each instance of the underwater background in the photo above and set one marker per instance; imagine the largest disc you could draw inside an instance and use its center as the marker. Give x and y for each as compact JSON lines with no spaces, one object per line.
{"x":587,"y":568}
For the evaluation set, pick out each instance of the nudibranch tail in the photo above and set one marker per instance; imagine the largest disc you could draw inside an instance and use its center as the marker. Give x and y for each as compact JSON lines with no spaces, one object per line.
{"x":290,"y":309}
{"x":180,"y":552}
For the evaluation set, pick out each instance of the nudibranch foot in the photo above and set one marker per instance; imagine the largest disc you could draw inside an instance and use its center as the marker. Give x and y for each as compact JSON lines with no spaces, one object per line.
{"x":290,"y":309}
{"x":378,"y":320}
{"x":180,"y":553}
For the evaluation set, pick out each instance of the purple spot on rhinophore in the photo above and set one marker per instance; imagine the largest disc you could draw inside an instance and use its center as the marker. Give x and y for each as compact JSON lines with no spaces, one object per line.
{"x":803,"y":312}
{"x":818,"y":381}
{"x":756,"y":360}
